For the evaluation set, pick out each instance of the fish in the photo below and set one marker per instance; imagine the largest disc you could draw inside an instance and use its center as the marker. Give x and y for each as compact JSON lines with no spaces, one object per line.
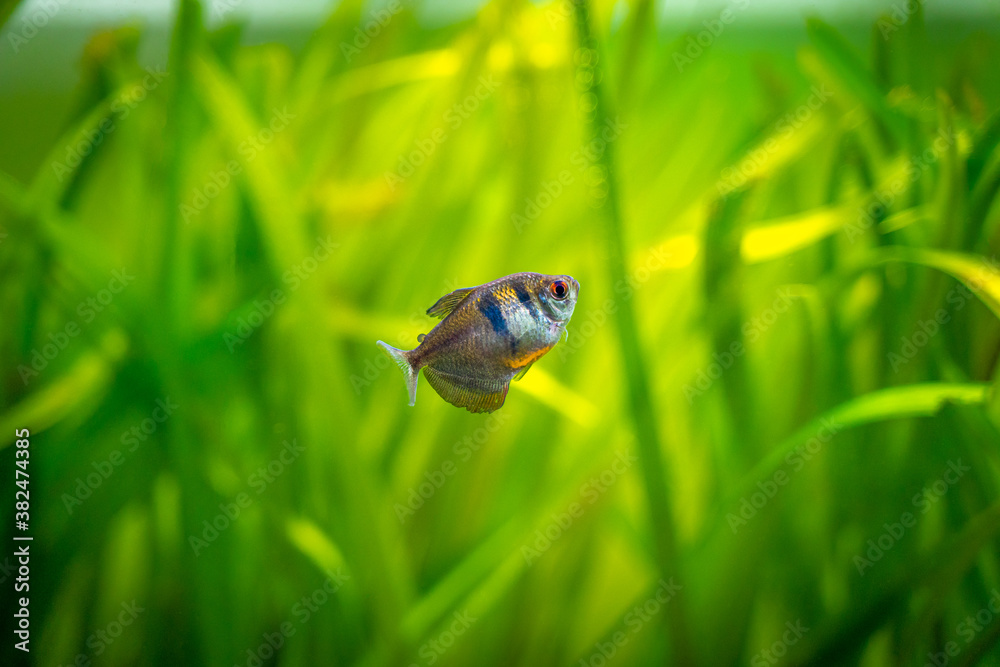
{"x":488,"y":335}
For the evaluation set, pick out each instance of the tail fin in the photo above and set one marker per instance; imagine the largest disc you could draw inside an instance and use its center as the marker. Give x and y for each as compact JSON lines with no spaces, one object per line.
{"x":410,"y":374}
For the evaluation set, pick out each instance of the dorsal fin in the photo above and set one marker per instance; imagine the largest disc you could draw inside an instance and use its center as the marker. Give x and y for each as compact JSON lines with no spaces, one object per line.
{"x":448,"y":302}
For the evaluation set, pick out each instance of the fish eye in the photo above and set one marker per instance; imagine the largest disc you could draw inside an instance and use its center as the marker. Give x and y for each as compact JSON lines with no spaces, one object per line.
{"x":559,"y":289}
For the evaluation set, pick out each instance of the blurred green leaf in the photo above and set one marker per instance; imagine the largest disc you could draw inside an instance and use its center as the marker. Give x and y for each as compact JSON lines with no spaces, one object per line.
{"x":979,"y":274}
{"x":777,"y":238}
{"x":921,"y":400}
{"x":852,"y":74}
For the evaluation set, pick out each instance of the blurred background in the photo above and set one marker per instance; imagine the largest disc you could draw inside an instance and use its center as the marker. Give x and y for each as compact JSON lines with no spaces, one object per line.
{"x":770,"y":437}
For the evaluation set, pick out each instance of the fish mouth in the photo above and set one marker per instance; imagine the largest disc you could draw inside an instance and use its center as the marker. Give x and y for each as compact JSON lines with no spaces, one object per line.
{"x":576,"y":284}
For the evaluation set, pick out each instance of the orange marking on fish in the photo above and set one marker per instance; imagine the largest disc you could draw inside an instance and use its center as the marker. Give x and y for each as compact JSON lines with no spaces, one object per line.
{"x":525,"y":359}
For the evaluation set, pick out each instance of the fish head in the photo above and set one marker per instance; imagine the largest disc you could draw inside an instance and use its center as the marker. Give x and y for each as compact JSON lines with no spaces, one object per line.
{"x":558,"y":295}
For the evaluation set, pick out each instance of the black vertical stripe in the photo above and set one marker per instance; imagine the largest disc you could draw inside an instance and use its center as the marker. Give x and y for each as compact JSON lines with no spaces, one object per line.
{"x":525,"y":299}
{"x":490,"y":309}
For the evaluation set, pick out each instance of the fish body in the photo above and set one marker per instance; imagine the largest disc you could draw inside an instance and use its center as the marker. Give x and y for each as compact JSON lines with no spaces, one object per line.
{"x":488,"y":336}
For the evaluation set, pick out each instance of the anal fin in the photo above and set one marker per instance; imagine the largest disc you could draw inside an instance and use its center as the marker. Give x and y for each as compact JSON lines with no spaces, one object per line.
{"x":473,"y":394}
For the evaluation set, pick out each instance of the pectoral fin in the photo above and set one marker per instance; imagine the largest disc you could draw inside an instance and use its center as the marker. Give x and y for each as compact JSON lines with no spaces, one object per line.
{"x":521,"y":373}
{"x":448,"y":302}
{"x":473,"y":394}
